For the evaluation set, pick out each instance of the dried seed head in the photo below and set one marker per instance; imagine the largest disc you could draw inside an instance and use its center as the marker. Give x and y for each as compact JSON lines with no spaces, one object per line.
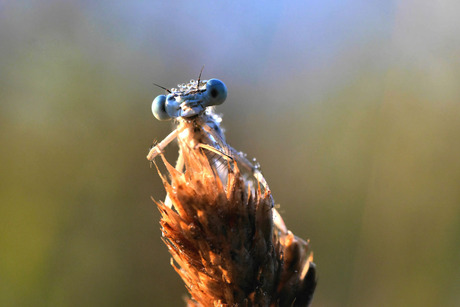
{"x":224,"y":243}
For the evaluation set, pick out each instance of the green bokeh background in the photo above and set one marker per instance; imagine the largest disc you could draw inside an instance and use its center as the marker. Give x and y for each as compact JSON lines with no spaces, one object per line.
{"x":351,"y":108}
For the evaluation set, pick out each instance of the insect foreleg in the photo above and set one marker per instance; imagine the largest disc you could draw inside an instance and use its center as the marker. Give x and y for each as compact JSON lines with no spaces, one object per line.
{"x":158,"y":149}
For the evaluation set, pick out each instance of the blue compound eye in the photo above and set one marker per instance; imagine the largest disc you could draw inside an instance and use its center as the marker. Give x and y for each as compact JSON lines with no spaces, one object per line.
{"x":172,"y":106}
{"x":159,"y":108}
{"x":216,"y":92}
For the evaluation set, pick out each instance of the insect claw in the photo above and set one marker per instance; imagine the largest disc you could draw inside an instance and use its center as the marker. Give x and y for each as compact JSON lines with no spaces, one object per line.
{"x":158,"y":149}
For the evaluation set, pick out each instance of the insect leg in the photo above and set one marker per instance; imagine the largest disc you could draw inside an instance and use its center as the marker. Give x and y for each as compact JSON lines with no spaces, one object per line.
{"x":158,"y":149}
{"x":214,"y":150}
{"x":180,"y":168}
{"x":180,"y":161}
{"x":234,"y":154}
{"x":249,"y":166}
{"x":277,"y":219}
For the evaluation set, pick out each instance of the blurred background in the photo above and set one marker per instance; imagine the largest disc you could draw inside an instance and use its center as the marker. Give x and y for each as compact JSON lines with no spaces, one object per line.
{"x":351,"y":107}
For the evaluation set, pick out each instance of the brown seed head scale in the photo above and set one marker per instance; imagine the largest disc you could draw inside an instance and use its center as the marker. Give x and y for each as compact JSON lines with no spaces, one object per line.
{"x":224,"y":243}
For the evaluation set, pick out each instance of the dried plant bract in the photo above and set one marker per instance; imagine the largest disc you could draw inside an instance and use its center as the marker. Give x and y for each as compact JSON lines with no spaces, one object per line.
{"x":224,"y":242}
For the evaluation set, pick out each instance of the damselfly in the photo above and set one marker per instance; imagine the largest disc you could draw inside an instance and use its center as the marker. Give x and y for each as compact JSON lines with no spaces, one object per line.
{"x":191,"y":106}
{"x":221,"y":236}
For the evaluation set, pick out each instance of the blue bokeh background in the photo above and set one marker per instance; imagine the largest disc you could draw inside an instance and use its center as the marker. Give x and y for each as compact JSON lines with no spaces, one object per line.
{"x":351,"y":107}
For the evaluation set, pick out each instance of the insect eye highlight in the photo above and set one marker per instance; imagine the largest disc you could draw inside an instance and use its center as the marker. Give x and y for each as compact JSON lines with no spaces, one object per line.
{"x":159,"y":108}
{"x":217,"y":92}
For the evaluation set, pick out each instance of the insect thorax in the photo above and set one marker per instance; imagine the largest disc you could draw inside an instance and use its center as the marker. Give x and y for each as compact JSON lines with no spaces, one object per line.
{"x":202,"y":129}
